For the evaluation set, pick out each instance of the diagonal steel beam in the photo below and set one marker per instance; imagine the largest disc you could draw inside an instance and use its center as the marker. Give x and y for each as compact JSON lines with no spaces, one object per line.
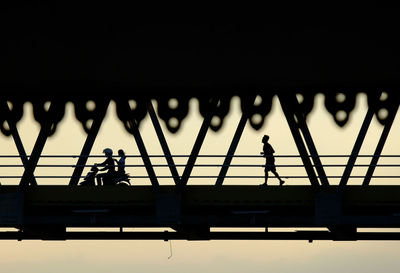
{"x":143,"y":152}
{"x":287,"y":110}
{"x":87,"y":147}
{"x":381,"y":143}
{"x":44,"y":133}
{"x":232,"y":149}
{"x":198,"y":143}
{"x":17,"y":140}
{"x":310,"y":143}
{"x":356,"y":148}
{"x":163,"y":143}
{"x":314,"y":154}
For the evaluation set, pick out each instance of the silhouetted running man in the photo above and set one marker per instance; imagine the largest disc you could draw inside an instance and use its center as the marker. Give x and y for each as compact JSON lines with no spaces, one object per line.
{"x":108,"y":165}
{"x":268,"y":153}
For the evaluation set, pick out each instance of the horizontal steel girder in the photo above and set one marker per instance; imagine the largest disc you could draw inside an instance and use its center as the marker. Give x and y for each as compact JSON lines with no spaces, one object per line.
{"x":296,"y":235}
{"x":49,"y":209}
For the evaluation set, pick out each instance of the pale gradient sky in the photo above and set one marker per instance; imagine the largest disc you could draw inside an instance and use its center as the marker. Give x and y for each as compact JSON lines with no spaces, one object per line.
{"x":214,"y":256}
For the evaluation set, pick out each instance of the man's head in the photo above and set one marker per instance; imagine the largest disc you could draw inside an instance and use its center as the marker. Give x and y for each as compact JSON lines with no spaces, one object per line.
{"x":265,"y":138}
{"x":121,"y":152}
{"x":108,"y":152}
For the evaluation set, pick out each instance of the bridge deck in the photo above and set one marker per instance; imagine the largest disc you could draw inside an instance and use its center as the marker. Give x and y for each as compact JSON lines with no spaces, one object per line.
{"x":204,"y":194}
{"x":46,"y":211}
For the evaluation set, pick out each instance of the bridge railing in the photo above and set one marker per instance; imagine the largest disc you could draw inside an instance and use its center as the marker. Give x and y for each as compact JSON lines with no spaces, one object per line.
{"x":249,"y":167}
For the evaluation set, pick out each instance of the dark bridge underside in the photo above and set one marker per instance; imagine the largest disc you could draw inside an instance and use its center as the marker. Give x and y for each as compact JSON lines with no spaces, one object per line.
{"x":48,"y":210}
{"x":67,"y":49}
{"x":63,"y":52}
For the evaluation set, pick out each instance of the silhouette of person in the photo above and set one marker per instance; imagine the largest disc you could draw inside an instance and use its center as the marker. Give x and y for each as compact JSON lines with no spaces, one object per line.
{"x":89,"y":179}
{"x":121,"y":162}
{"x":268,"y":153}
{"x":108,"y":165}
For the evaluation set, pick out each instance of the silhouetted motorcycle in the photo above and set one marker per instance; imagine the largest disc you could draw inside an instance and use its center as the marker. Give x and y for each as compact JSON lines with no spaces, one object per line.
{"x":116,"y":179}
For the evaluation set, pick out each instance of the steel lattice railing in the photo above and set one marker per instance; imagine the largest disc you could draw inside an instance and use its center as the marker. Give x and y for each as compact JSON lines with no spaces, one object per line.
{"x":204,"y":165}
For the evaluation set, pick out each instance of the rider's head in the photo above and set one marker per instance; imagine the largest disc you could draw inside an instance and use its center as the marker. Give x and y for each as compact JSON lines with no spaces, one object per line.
{"x":108,"y":152}
{"x":265,"y":138}
{"x":121,"y":152}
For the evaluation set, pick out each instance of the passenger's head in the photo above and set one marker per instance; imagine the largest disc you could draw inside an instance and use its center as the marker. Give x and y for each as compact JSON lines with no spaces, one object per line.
{"x":108,"y":152}
{"x":265,"y":138}
{"x":121,"y":152}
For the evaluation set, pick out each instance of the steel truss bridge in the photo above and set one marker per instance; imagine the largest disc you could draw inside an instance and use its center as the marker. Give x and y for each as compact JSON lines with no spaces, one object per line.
{"x":321,"y":210}
{"x":90,"y":62}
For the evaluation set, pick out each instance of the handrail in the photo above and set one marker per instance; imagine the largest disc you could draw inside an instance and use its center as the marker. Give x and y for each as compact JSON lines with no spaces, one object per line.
{"x":205,"y":165}
{"x":207,"y":156}
{"x":204,"y":176}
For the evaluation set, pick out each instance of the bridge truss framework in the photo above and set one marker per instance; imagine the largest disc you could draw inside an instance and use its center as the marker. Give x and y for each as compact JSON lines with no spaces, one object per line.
{"x":194,"y":212}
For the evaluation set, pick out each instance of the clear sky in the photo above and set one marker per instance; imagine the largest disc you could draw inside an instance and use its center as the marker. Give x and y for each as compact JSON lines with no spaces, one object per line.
{"x":212,"y":256}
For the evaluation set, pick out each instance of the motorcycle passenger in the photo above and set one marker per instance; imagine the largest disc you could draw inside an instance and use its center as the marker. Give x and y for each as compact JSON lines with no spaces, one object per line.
{"x":89,"y":179}
{"x":121,"y":163}
{"x":109,"y":166}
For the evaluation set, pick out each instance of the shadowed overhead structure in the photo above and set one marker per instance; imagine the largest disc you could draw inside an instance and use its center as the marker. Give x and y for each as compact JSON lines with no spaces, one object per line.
{"x":75,"y":53}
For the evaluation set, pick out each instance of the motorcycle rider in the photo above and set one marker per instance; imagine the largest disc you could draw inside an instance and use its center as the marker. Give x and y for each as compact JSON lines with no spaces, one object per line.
{"x":108,"y":165}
